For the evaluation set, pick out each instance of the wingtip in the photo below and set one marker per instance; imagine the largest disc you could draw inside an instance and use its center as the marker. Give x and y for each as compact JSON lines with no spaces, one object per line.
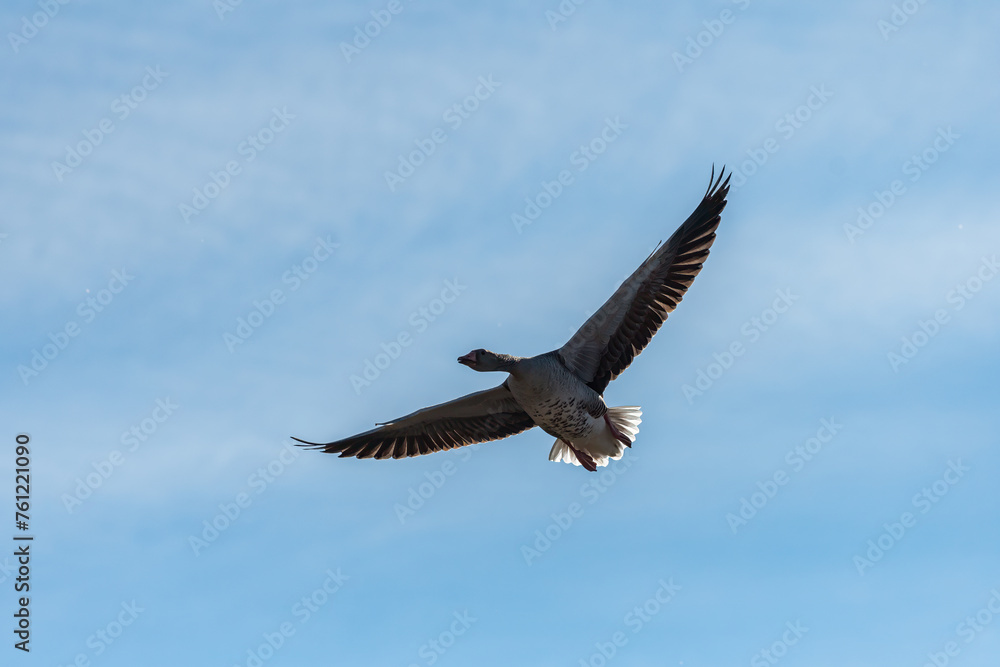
{"x":305,"y":444}
{"x":715,"y":183}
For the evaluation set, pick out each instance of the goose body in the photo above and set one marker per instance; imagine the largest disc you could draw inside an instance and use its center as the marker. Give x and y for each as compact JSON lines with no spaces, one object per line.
{"x":563,"y":406}
{"x":555,"y":399}
{"x":562,"y":391}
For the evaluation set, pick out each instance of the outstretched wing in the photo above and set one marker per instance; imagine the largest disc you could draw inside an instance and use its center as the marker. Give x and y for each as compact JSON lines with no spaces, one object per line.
{"x":485,"y":415}
{"x":606,"y":344}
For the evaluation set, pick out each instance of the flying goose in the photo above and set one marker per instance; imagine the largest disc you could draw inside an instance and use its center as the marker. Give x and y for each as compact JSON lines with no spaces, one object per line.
{"x":562,"y":391}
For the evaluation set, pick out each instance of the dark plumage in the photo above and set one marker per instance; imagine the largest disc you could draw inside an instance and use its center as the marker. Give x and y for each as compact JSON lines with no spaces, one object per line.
{"x":613,"y":336}
{"x":479,"y":417}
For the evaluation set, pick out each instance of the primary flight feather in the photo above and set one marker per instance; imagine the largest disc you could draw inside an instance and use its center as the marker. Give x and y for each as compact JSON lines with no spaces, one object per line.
{"x":562,"y":391}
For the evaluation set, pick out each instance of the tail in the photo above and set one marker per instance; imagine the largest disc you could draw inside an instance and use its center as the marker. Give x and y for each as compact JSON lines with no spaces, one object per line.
{"x":596,"y":450}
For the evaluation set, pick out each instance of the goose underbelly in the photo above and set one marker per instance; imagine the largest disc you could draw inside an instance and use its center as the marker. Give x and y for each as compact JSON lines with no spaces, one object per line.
{"x":564,"y":418}
{"x":556,"y":399}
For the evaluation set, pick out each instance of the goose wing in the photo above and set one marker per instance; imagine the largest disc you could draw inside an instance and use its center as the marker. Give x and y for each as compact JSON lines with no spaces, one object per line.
{"x":479,"y":417}
{"x":613,"y":336}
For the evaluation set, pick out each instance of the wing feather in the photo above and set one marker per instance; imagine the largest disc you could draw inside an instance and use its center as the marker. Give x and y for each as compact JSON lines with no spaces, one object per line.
{"x":479,"y":417}
{"x":613,"y":336}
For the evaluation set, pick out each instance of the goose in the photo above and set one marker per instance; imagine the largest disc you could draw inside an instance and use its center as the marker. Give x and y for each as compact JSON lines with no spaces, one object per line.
{"x":561,"y":391}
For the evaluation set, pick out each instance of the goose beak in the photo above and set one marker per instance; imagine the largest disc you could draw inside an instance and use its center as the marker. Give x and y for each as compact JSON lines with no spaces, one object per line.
{"x":468,"y":359}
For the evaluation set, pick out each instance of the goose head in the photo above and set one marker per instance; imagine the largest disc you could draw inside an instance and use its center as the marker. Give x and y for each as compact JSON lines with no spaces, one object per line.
{"x":484,"y":360}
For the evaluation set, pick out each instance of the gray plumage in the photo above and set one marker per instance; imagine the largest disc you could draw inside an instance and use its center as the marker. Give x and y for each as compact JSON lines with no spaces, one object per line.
{"x":562,"y":391}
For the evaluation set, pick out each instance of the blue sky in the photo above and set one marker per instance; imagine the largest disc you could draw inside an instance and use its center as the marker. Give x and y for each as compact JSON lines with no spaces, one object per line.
{"x":200,"y":247}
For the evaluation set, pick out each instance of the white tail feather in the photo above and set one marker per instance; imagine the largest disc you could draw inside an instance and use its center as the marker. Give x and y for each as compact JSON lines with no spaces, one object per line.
{"x":602,"y":446}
